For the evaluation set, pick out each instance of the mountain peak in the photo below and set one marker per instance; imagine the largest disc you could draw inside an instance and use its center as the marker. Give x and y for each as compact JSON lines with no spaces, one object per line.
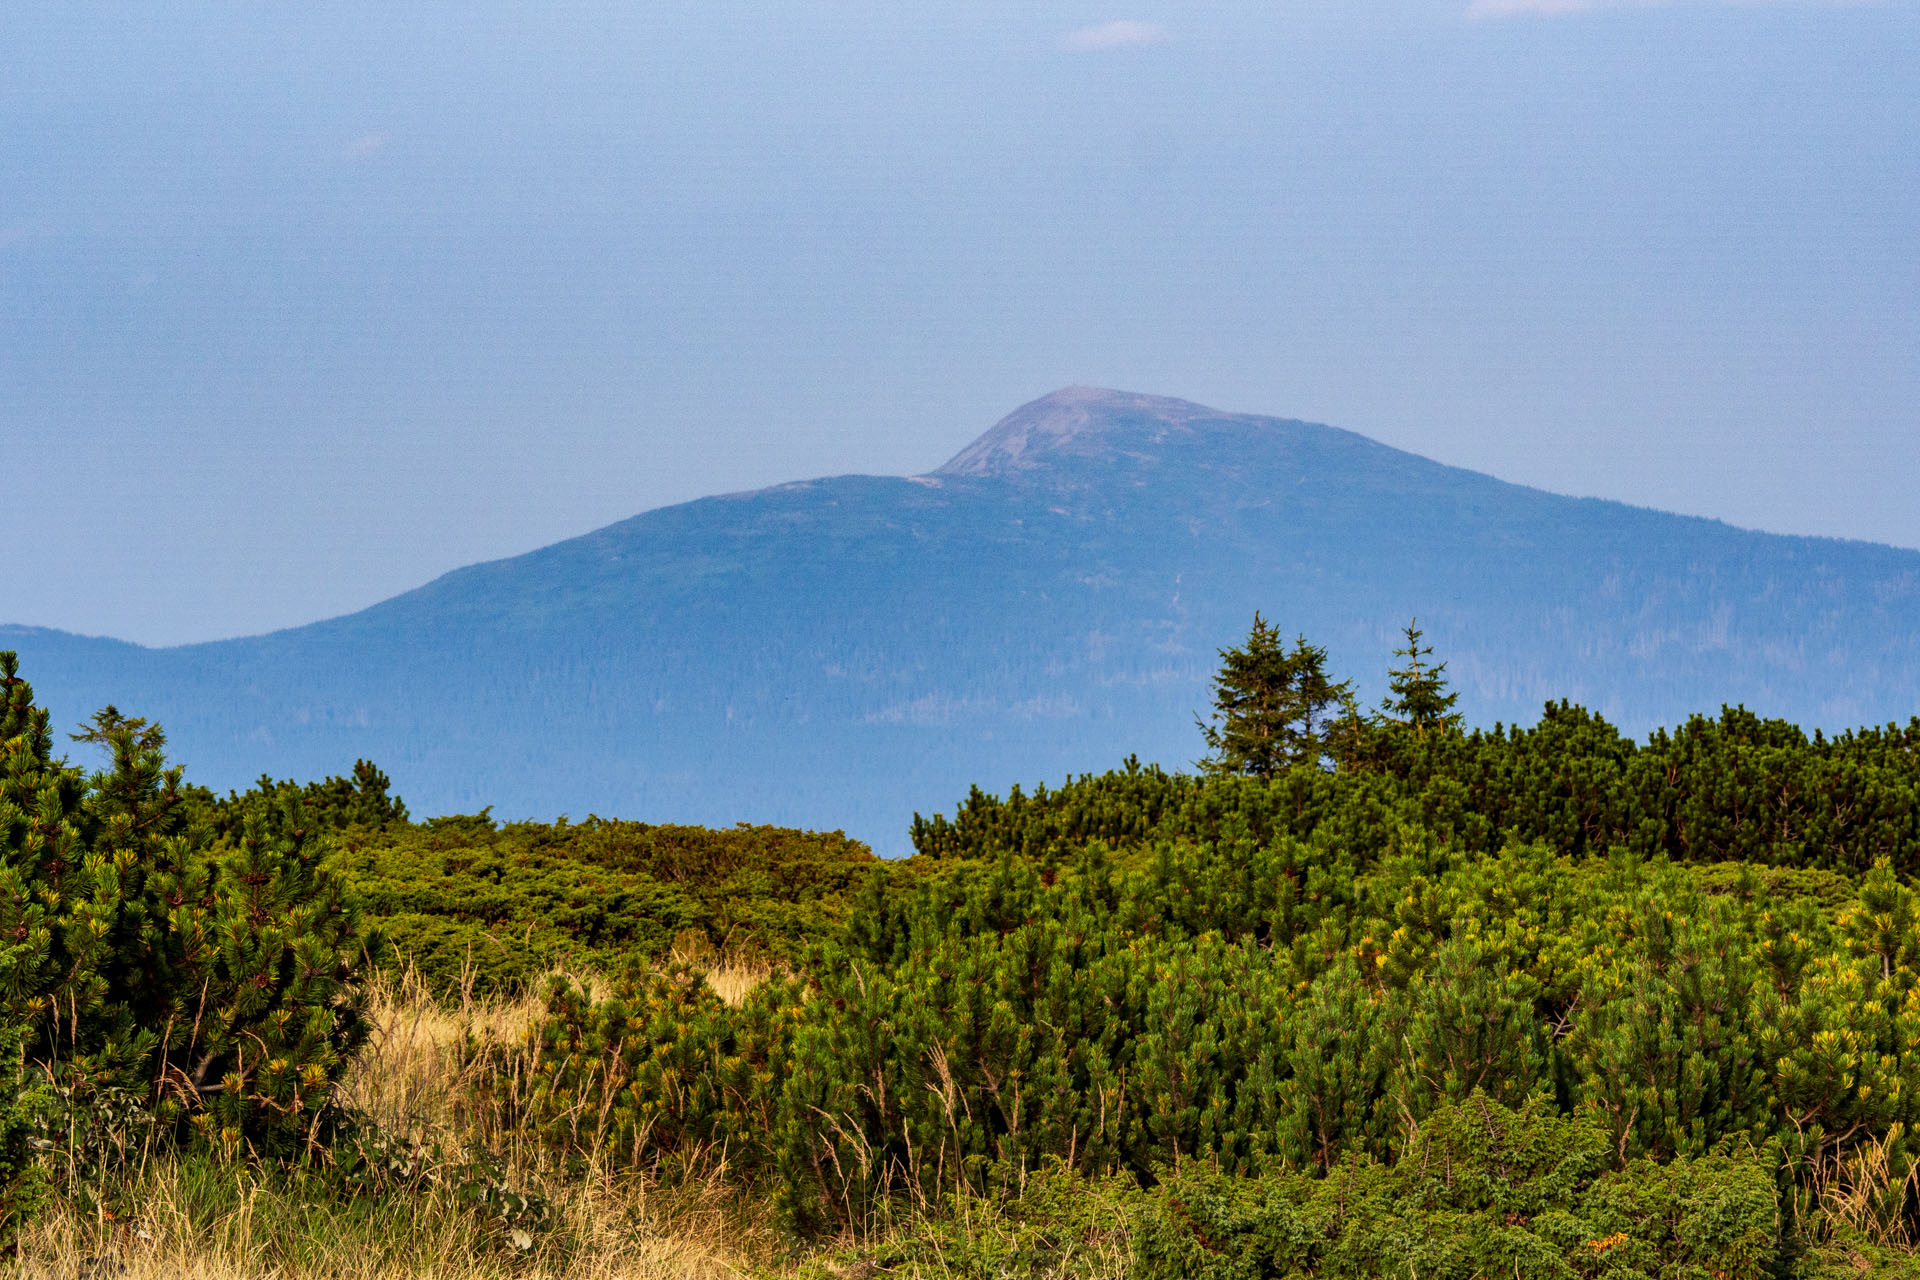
{"x":845,"y":651}
{"x":1076,"y":422}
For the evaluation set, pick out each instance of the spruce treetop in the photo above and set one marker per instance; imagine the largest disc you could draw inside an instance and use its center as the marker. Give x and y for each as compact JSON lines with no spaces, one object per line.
{"x":1272,"y":705}
{"x":1418,"y":697}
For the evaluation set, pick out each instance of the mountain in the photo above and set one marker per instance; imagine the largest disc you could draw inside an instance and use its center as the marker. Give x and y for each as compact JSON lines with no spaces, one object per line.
{"x":842,"y":652}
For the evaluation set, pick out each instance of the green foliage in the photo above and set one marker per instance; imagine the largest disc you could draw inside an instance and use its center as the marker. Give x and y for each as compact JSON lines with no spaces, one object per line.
{"x":363,"y":1162}
{"x":477,"y":906}
{"x":1303,"y":1009}
{"x":1418,"y":699}
{"x":659,"y":1067}
{"x":1479,"y":1190}
{"x":363,"y":801}
{"x":213,"y":977}
{"x":1057,"y":1226}
{"x":1271,"y":705}
{"x":86,"y":1137}
{"x":23,"y":1183}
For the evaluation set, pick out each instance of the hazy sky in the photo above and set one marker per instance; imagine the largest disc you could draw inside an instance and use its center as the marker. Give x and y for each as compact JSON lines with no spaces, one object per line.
{"x":299,"y":309}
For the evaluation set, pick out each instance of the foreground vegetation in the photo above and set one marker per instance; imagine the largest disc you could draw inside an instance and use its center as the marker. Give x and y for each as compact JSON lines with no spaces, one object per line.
{"x":487,"y":908}
{"x":1372,"y":995}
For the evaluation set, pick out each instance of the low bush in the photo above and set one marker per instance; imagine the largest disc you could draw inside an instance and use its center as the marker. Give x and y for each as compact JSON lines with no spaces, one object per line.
{"x":486,"y":908}
{"x":659,"y":1068}
{"x":214,"y":977}
{"x":1478,"y":1190}
{"x":1263,"y":1013}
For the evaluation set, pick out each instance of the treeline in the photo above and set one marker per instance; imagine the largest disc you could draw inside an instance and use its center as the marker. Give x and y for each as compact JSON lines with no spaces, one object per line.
{"x":1731,"y":788}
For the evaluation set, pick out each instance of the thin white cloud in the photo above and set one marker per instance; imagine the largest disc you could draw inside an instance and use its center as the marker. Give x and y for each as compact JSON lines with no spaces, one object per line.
{"x":361,"y":148}
{"x":1124,"y":34}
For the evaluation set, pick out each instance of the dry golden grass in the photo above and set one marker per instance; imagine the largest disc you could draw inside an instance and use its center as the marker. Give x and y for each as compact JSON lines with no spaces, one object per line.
{"x":418,"y":1074}
{"x":180,"y":1231}
{"x":1865,"y":1193}
{"x":421,"y":1077}
{"x":732,"y":979}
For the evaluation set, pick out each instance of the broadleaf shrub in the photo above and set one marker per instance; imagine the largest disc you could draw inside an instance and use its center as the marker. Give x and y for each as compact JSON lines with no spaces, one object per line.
{"x":1479,"y":1190}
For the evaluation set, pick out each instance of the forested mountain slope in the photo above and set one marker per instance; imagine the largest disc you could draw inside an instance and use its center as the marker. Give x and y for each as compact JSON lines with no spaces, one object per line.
{"x":841,"y":652}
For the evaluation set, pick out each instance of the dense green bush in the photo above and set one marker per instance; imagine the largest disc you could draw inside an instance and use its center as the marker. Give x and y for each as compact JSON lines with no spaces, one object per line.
{"x":361,"y":801}
{"x":213,"y":976}
{"x":1303,"y":1009}
{"x":1732,"y":789}
{"x":1478,"y":1190}
{"x":485,"y":907}
{"x":660,"y":1067}
{"x":23,"y":1183}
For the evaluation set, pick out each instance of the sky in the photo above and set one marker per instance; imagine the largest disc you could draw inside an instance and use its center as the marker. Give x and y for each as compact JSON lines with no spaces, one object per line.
{"x":302,"y":306}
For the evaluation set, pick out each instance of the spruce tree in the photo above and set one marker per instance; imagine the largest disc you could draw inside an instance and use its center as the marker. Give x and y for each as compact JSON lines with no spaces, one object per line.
{"x":1272,"y":705}
{"x":1418,"y":697}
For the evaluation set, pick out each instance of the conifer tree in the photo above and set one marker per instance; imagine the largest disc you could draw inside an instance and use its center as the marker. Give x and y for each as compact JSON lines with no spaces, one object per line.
{"x":1418,"y":697}
{"x":1272,"y":705}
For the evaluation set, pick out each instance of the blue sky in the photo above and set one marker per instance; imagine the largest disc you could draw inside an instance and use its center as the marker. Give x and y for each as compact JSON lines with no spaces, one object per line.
{"x":298,"y":310}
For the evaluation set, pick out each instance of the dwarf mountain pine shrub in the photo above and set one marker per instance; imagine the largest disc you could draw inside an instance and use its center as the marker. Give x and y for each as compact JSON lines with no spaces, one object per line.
{"x":213,"y":978}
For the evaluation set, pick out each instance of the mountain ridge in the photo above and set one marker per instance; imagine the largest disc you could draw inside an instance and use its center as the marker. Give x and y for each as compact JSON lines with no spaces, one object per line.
{"x":844,"y":650}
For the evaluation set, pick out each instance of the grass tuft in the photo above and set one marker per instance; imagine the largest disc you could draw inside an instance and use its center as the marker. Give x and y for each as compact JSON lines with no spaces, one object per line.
{"x":436,"y":1073}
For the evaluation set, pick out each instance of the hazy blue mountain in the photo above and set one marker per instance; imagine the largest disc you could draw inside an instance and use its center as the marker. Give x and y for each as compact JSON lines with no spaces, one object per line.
{"x":842,"y":652}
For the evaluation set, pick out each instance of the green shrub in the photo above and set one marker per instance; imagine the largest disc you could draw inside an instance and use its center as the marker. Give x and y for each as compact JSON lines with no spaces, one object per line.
{"x":23,"y":1182}
{"x":659,"y":1068}
{"x":1269,"y":1008}
{"x":215,"y":978}
{"x":486,"y":908}
{"x":1479,"y":1190}
{"x":1058,"y":1225}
